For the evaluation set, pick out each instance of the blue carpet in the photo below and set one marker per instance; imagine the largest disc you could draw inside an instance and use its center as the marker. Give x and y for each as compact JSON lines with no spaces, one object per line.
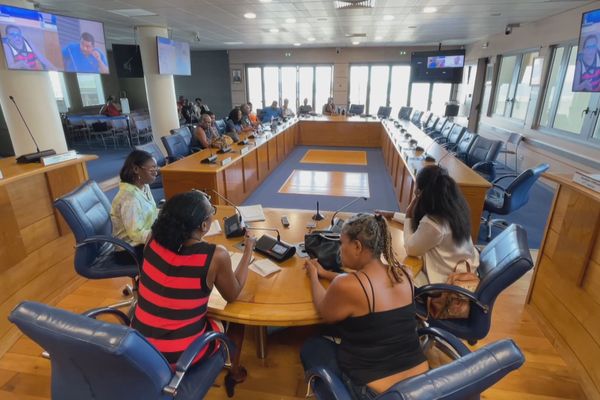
{"x":107,"y":165}
{"x":382,"y":194}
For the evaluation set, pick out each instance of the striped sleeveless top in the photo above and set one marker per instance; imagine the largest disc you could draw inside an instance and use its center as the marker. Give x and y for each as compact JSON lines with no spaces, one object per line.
{"x":173,"y":298}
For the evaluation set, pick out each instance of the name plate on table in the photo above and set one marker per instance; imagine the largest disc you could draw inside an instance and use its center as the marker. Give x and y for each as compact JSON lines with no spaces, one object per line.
{"x":226,"y":161}
{"x":58,"y":158}
{"x":267,"y":136}
{"x":244,"y":150}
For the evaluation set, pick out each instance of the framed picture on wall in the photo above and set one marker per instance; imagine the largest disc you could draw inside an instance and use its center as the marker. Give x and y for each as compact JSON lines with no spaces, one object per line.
{"x":236,"y":75}
{"x":536,"y":71}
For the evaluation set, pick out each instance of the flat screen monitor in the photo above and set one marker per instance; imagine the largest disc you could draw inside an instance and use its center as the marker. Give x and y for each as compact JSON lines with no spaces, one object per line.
{"x":128,"y":60}
{"x":83,"y":45}
{"x":587,"y":66}
{"x":437,"y":66}
{"x":30,"y":39}
{"x":173,"y":57}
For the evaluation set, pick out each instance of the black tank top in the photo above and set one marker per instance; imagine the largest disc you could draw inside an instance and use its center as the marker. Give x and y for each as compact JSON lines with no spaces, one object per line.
{"x":379,"y":344}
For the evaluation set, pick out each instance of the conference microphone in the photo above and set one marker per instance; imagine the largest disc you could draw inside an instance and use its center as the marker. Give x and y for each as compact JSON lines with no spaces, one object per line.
{"x":31,"y":157}
{"x":336,"y":225}
{"x":210,"y":159}
{"x":439,"y":163}
{"x":272,"y":247}
{"x":318,"y":216}
{"x":233,"y":226}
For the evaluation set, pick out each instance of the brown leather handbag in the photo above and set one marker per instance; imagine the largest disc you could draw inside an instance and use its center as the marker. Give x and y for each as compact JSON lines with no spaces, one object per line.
{"x":453,"y":305}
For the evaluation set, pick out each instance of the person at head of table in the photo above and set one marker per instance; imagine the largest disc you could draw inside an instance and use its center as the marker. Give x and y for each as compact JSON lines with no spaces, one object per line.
{"x":437,"y":226}
{"x":85,"y":56}
{"x":21,"y":54}
{"x":179,"y":272}
{"x":252,"y":115}
{"x":234,"y":124}
{"x":272,"y":112}
{"x":247,"y":124}
{"x":330,"y":108}
{"x":305,"y":108}
{"x":133,"y":209}
{"x":109,"y":109}
{"x":286,"y":112}
{"x":374,"y":301}
{"x":205,"y":132}
{"x":587,"y":67}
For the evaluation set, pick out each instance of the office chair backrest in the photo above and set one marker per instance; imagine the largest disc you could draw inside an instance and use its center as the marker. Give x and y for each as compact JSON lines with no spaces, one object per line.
{"x":483,"y":149}
{"x":87,"y":212}
{"x":427,"y":116}
{"x":446,"y":129}
{"x":465,"y":143}
{"x":404,"y":112}
{"x":357,"y":109}
{"x":441,"y":122}
{"x":222,"y":125}
{"x":416,"y":117}
{"x":185,"y":133}
{"x":93,"y":359}
{"x":384,"y":112}
{"x":456,"y":133}
{"x":517,"y":192}
{"x":432,"y":121}
{"x":175,"y":146}
{"x":153,"y":149}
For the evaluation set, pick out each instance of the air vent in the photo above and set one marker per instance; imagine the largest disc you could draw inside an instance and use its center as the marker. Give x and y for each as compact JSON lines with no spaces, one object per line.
{"x":354,"y":4}
{"x":356,"y":35}
{"x":133,"y":12}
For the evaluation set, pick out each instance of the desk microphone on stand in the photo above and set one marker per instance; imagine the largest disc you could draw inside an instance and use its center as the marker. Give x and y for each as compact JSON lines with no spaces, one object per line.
{"x":273,"y":248}
{"x":336,"y":225}
{"x":210,"y":159}
{"x":318,"y":216}
{"x":233,"y":226}
{"x":31,"y":157}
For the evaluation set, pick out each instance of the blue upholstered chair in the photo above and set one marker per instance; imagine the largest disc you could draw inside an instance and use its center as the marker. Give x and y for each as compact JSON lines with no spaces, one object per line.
{"x":356,"y":109}
{"x":416,"y":118}
{"x":97,"y":360}
{"x":176,"y":147}
{"x":404,"y":113}
{"x":431,"y":123}
{"x":222,"y":125}
{"x":464,"y":145}
{"x":451,"y":141}
{"x":437,"y":127}
{"x":384,"y":112}
{"x":186,"y":133}
{"x":502,"y":262}
{"x":87,"y":212}
{"x":482,"y":156}
{"x":442,"y":136}
{"x":161,"y":161}
{"x":504,"y":200}
{"x":465,"y":377}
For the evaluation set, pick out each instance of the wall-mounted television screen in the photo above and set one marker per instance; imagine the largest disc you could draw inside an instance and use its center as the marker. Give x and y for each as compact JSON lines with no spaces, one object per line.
{"x":437,"y":66}
{"x":587,"y":66}
{"x":128,"y":60}
{"x":39,"y":41}
{"x":173,"y":57}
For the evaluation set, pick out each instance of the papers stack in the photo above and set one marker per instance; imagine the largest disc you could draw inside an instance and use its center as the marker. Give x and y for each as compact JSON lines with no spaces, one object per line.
{"x":264,"y":267}
{"x":252,"y":213}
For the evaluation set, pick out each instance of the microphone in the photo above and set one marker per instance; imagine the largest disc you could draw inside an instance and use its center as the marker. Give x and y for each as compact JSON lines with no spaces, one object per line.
{"x":336,"y":226}
{"x":210,"y":159}
{"x":318,"y":216}
{"x":426,"y":155}
{"x":273,"y":248}
{"x":266,"y":229}
{"x":444,"y":156}
{"x":31,"y":157}
{"x":233,"y":226}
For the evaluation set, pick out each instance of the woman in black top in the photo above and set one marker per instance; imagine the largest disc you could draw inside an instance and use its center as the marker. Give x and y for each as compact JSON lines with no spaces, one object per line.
{"x":234,"y":124}
{"x":372,"y":309}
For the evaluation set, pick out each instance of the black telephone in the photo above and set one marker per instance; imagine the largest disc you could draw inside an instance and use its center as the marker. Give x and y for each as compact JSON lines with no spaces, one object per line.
{"x":274,"y":249}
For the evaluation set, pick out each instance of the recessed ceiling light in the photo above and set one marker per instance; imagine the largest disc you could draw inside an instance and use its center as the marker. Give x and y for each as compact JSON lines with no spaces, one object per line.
{"x":356,"y":43}
{"x":232,"y":43}
{"x":249,"y":15}
{"x":297,"y":44}
{"x":311,"y":39}
{"x":412,"y":27}
{"x":290,"y":20}
{"x":322,"y":19}
{"x":496,"y":14}
{"x":429,"y":10}
{"x":378,"y":37}
{"x":274,"y":30}
{"x":388,"y":17}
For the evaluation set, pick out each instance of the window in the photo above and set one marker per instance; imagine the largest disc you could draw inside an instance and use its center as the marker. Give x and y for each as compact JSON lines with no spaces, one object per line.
{"x":419,"y":96}
{"x":487,"y":90}
{"x":90,"y":87}
{"x":439,"y":97}
{"x":514,"y":86}
{"x":399,"y":88}
{"x":465,"y":90}
{"x":378,"y":92}
{"x":359,"y":79}
{"x":59,"y":88}
{"x":564,"y":112}
{"x":295,"y":83}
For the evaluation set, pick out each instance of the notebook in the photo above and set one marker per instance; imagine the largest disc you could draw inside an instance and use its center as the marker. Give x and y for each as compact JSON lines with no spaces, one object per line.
{"x":264,"y":267}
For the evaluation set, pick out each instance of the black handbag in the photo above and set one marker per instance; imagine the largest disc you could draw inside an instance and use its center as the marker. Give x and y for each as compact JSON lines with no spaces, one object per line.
{"x":324,"y":246}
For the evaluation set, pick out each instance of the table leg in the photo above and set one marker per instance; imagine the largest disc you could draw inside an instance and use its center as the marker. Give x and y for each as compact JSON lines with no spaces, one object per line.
{"x":261,"y":342}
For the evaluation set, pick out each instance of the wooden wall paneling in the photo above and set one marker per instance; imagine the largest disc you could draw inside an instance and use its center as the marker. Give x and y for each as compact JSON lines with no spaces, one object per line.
{"x":39,"y":233}
{"x":30,"y":199}
{"x":330,"y":133}
{"x":184,"y":181}
{"x":12,"y":248}
{"x":398,"y":178}
{"x":263,"y":162}
{"x":280,"y":147}
{"x":250,"y":167}
{"x":272,"y":150}
{"x":234,"y":182}
{"x":407,"y":190}
{"x":62,"y":181}
{"x":395,"y":161}
{"x":475,"y":197}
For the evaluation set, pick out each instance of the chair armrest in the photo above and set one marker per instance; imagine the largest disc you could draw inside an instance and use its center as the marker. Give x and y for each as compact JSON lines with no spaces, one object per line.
{"x":445,"y":336}
{"x":110,"y":239}
{"x":429,"y":290}
{"x":95,"y":312}
{"x":504,"y":176}
{"x":185,"y":360}
{"x":332,"y":382}
{"x":481,"y":165}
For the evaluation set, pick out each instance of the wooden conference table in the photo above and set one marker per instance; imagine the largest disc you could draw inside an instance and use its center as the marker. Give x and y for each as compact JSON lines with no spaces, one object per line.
{"x":284,"y":298}
{"x":238,"y":173}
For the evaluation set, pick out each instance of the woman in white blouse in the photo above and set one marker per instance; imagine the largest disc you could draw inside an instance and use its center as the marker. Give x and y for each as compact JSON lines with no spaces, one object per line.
{"x":437,"y":226}
{"x":133,"y":209}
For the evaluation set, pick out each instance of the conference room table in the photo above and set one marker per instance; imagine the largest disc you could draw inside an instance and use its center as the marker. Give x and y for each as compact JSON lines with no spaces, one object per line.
{"x":284,"y":298}
{"x":236,"y":174}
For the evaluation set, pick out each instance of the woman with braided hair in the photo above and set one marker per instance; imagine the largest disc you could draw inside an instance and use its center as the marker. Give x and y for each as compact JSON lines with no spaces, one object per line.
{"x":372,"y":309}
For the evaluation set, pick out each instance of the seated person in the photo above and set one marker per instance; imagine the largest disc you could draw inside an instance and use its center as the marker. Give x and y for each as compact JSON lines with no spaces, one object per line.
{"x":305,"y":108}
{"x":252,"y":116}
{"x":179,"y":272}
{"x":205,"y":133}
{"x":21,"y":53}
{"x":330,"y":108}
{"x":109,"y":109}
{"x":234,"y":124}
{"x":285,"y":110}
{"x":247,"y":124}
{"x":201,"y":106}
{"x":85,"y":56}
{"x":438,"y":226}
{"x":269,"y":113}
{"x":133,"y":209}
{"x":372,"y":309}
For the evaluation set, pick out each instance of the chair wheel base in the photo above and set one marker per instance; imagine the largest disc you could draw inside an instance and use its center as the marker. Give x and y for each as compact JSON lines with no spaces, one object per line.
{"x":127,"y":290}
{"x":231,"y":380}
{"x":472,"y":342}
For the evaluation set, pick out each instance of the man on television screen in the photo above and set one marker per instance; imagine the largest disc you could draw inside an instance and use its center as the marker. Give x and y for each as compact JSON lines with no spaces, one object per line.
{"x":21,"y":54}
{"x":587,"y":67}
{"x":84,"y":56}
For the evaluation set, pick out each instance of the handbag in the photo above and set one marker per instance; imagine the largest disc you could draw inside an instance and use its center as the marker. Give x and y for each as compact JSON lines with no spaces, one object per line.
{"x":221,"y":142}
{"x":325,"y":247}
{"x":453,"y":305}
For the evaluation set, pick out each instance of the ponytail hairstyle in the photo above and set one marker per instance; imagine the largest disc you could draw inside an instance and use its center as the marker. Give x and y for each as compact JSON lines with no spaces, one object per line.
{"x":180,"y":217}
{"x":441,"y":198}
{"x":373,"y":233}
{"x":137,"y":158}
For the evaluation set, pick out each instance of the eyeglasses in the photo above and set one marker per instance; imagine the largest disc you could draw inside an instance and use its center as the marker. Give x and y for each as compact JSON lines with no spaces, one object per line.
{"x":151,"y":169}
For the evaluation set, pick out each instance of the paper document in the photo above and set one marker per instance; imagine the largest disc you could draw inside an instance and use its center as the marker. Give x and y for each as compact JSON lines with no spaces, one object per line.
{"x":216,"y":300}
{"x":264,"y":267}
{"x":215,"y":229}
{"x":252,"y":213}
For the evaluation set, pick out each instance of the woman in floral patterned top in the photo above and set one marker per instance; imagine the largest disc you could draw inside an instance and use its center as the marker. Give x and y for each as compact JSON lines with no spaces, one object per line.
{"x":133,"y":209}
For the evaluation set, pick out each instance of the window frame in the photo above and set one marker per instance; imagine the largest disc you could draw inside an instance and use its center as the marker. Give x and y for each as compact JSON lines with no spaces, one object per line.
{"x":99,"y":89}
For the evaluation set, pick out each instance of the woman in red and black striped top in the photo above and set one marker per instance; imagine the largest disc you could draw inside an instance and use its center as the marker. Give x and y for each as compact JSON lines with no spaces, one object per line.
{"x":178,"y":274}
